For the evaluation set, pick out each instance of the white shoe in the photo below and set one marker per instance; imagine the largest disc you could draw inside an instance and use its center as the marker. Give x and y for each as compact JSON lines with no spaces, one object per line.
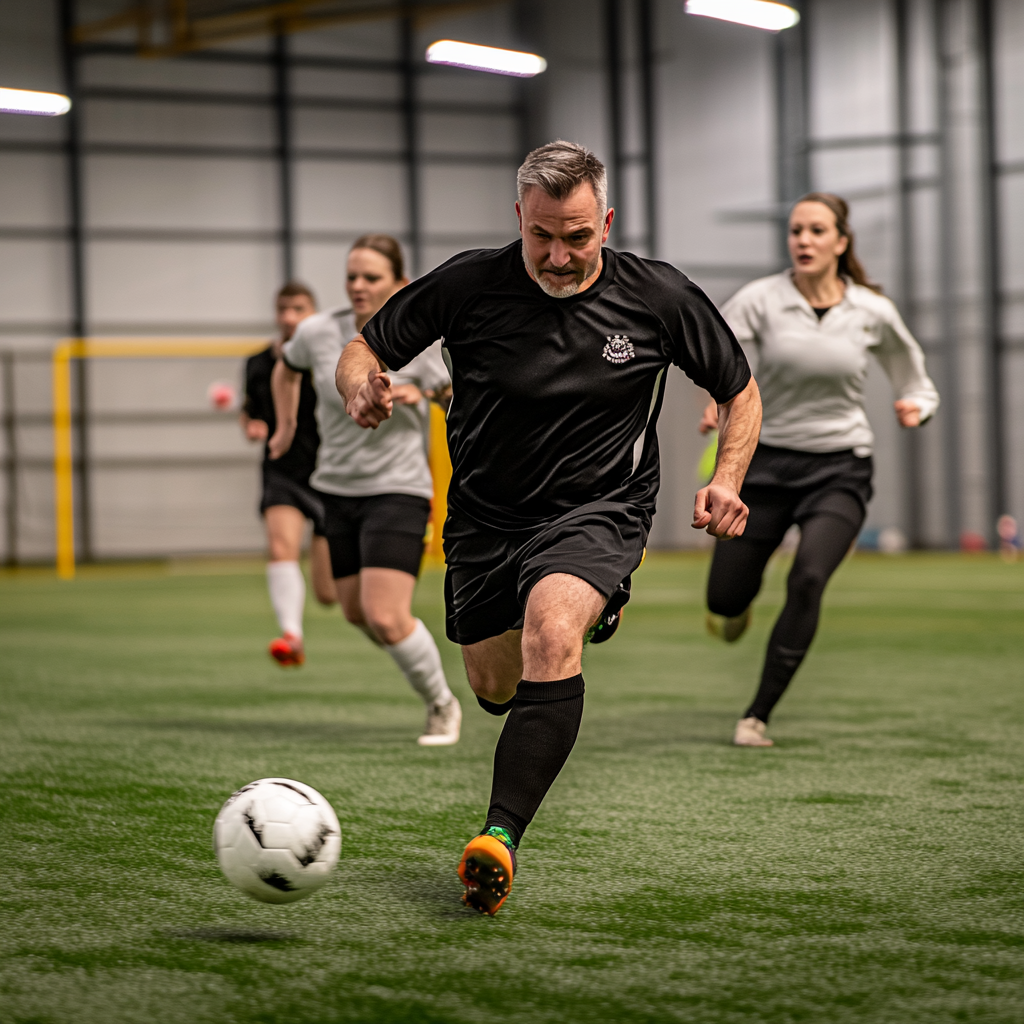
{"x":443,"y":724}
{"x":728,"y":629}
{"x":750,"y":733}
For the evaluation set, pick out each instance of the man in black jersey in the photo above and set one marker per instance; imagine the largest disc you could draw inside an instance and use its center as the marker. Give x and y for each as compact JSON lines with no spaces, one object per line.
{"x":558,"y":351}
{"x":288,"y":500}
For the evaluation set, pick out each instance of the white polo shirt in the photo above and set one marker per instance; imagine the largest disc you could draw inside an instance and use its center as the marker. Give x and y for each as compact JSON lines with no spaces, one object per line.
{"x":352,"y":461}
{"x":811,"y":372}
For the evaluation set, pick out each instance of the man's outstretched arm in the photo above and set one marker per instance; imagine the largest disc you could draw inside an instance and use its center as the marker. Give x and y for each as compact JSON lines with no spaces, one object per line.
{"x":717,"y":507}
{"x":363,"y":384}
{"x":285,"y":386}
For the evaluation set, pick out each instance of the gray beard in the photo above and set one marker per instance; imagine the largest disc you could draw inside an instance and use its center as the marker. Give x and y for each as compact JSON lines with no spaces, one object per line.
{"x":557,"y":291}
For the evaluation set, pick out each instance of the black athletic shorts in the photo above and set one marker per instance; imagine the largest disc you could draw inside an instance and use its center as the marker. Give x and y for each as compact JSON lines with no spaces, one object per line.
{"x":783,"y":487}
{"x":383,"y":531}
{"x":490,"y":574}
{"x":279,"y":489}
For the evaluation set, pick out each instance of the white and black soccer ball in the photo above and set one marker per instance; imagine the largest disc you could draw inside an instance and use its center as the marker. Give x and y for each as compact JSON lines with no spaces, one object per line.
{"x":277,"y":840}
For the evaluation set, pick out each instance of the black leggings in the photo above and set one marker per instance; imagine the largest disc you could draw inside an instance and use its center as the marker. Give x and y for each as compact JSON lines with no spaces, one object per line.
{"x":737,"y":570}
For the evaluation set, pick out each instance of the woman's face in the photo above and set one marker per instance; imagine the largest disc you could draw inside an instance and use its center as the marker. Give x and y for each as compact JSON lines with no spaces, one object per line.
{"x":371,"y":281}
{"x":815,"y":244}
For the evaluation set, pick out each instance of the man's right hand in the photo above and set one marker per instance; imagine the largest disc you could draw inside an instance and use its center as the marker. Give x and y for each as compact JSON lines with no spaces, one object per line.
{"x":279,"y":444}
{"x":372,"y":403}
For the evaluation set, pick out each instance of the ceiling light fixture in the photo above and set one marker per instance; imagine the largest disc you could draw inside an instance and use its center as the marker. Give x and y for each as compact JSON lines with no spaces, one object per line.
{"x":485,"y":58}
{"x":26,"y":101}
{"x":756,"y":13}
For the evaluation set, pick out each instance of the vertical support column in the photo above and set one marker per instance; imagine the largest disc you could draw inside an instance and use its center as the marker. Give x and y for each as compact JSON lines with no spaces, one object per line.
{"x":792,"y":124}
{"x":910,"y":448}
{"x":11,"y":464}
{"x":948,"y":284}
{"x":995,"y":425}
{"x":613,"y":63}
{"x":410,"y":125}
{"x":79,"y":322}
{"x":283,"y":122}
{"x":648,"y":99}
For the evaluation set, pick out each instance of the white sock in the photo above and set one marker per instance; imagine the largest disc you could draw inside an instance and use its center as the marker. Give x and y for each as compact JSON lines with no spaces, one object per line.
{"x":287,"y":588}
{"x":420,"y":661}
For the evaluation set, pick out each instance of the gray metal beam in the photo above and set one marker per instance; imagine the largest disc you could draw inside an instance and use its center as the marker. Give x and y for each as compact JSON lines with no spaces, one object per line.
{"x":411,"y":151}
{"x":992,"y":273}
{"x":648,"y":116}
{"x":613,"y":72}
{"x":283,"y":126}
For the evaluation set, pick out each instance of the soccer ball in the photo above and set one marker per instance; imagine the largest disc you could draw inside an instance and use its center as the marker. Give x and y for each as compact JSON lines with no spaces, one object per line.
{"x":277,"y":840}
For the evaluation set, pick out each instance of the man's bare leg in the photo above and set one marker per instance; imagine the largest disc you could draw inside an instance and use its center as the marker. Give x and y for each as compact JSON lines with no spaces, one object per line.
{"x":285,"y":528}
{"x":320,"y":571}
{"x":544,"y":710}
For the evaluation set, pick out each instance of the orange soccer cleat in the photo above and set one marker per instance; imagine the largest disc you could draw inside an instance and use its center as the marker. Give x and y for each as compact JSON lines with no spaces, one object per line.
{"x":486,"y":869}
{"x":287,"y":650}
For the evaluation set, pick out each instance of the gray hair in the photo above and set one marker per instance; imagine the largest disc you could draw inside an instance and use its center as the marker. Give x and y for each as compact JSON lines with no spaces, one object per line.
{"x":561,"y":167}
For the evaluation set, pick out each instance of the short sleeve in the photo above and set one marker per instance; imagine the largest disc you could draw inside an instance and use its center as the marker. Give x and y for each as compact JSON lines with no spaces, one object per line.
{"x":418,"y":315}
{"x":296,"y":353}
{"x":703,"y":345}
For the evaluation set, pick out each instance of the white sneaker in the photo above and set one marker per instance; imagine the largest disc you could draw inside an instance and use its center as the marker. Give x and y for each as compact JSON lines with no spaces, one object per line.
{"x":750,"y":733}
{"x":443,"y":724}
{"x":728,"y":629}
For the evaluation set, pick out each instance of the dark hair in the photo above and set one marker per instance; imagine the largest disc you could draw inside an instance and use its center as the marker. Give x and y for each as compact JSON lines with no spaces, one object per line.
{"x":561,"y":167}
{"x":291,"y":289}
{"x":849,"y":265}
{"x":388,"y":247}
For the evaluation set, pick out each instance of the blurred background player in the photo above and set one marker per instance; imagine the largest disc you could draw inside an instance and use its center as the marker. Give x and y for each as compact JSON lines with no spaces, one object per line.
{"x":375,"y":485}
{"x":288,"y":500}
{"x":807,"y":333}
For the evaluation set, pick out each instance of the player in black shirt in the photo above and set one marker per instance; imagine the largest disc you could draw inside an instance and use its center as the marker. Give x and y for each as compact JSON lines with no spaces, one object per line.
{"x":558,"y":351}
{"x":288,"y":500}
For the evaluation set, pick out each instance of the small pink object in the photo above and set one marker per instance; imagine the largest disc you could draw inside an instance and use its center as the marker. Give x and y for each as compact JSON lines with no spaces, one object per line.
{"x":221,"y":395}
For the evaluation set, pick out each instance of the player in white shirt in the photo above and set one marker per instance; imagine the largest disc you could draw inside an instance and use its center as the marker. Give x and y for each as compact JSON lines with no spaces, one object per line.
{"x":808,"y":333}
{"x":375,"y":484}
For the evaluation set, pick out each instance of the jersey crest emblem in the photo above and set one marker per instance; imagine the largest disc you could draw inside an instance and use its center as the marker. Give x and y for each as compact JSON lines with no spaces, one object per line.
{"x":619,"y":349}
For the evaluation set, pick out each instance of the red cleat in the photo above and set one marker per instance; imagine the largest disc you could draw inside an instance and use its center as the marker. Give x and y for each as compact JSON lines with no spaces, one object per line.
{"x":287,"y":650}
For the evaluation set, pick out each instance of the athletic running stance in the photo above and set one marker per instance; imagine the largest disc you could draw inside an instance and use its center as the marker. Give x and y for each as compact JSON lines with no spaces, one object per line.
{"x":808,"y":332}
{"x":376,"y":488}
{"x":288,"y":500}
{"x":558,"y":351}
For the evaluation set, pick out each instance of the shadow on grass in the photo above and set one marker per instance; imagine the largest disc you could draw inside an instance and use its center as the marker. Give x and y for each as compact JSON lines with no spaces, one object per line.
{"x":232,"y":935}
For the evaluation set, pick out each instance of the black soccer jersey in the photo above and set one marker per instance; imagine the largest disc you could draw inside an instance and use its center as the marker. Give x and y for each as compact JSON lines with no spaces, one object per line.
{"x":555,"y":400}
{"x":300,"y":460}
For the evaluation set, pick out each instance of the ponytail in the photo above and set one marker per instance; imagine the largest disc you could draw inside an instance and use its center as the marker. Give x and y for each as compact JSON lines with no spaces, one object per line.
{"x":849,"y":265}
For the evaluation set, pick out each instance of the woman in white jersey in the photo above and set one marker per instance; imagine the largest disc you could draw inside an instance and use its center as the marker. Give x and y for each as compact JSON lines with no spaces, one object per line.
{"x":808,"y":333}
{"x":375,"y":484}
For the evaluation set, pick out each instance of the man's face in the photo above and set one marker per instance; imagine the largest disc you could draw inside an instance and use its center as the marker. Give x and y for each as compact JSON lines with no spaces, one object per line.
{"x":291,"y":311}
{"x":562,"y":239}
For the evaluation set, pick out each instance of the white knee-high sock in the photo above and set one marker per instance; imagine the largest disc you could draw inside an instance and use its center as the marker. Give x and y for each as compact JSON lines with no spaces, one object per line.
{"x":420,"y":661}
{"x":287,"y":588}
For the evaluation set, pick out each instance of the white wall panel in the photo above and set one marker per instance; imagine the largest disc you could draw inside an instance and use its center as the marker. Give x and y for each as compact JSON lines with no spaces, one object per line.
{"x":186,"y":124}
{"x":467,"y":198}
{"x":353,"y":196}
{"x":181,"y":193}
{"x":348,"y":129}
{"x":33,"y":281}
{"x":34,"y":190}
{"x":135,"y":283}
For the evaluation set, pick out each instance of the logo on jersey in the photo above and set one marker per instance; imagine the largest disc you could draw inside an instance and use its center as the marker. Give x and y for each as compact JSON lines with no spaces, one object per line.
{"x":619,"y":349}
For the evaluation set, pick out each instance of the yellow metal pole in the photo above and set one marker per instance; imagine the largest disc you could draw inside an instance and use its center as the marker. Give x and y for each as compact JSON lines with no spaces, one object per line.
{"x":63,"y":477}
{"x":441,"y":471}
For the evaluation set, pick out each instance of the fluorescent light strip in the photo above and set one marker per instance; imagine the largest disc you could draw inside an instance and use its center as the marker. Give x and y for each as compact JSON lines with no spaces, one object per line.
{"x":485,"y":58}
{"x":25,"y":101}
{"x":756,"y":13}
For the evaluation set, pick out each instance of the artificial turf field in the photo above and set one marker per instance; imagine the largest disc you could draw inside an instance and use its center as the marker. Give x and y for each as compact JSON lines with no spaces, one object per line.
{"x":868,"y":868}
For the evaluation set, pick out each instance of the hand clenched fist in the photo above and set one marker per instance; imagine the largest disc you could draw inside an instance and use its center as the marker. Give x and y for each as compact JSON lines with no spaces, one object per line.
{"x":372,"y":403}
{"x":719,"y":510}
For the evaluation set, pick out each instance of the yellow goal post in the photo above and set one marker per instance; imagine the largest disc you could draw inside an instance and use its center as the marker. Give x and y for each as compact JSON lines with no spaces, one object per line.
{"x":178,"y":348}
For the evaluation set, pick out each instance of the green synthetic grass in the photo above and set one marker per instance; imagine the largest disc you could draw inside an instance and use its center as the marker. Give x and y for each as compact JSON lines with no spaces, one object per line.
{"x":868,"y":868}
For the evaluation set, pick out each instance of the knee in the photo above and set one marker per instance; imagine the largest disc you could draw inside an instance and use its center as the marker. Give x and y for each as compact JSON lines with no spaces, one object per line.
{"x":389,"y":624}
{"x":727,"y":605}
{"x":806,"y":582}
{"x":551,"y":640}
{"x":327,"y":597}
{"x":492,"y":685}
{"x":353,"y":613}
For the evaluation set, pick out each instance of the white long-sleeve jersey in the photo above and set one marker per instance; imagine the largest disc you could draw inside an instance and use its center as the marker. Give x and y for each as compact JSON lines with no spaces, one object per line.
{"x":811,"y":372}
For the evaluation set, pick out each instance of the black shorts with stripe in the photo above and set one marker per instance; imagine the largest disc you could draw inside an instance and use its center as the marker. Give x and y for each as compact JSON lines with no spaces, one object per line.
{"x":490,"y":574}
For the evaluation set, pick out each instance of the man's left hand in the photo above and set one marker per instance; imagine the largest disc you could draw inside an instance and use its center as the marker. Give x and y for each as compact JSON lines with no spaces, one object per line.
{"x":908,"y":412}
{"x":719,"y":510}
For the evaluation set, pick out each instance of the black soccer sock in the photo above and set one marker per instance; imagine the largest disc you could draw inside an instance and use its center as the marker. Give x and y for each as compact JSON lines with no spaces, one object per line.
{"x":495,"y":709}
{"x":534,"y":744}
